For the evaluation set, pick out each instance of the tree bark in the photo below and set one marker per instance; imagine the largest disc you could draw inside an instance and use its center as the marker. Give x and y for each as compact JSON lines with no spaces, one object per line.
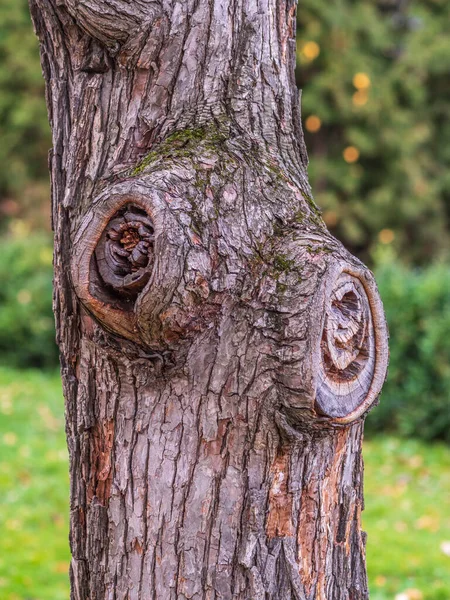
{"x":219,"y":348}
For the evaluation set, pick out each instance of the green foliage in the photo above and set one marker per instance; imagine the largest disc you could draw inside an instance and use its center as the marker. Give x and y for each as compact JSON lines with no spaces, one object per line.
{"x":416,"y":397}
{"x":24,"y":130}
{"x":27,"y":336}
{"x":375,"y":79}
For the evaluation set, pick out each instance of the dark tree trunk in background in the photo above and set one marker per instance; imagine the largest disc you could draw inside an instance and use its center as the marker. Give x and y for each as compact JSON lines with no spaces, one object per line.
{"x":219,"y":348}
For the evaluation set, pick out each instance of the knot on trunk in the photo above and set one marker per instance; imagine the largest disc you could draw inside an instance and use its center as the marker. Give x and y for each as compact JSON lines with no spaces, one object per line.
{"x":353,"y":347}
{"x":138,"y":267}
{"x":344,"y":341}
{"x":165,"y":245}
{"x":128,"y":251}
{"x":163,"y":254}
{"x":125,"y":251}
{"x":332,"y":332}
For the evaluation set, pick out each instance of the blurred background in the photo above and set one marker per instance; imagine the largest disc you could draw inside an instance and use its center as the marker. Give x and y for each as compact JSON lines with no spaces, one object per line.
{"x":376,"y":114}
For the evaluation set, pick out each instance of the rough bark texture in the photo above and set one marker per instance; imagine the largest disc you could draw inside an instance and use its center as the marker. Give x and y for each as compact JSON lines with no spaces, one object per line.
{"x":219,"y":348}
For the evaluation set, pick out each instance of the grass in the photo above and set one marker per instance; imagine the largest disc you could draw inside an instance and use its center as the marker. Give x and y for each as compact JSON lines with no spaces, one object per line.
{"x":407,"y":517}
{"x":407,"y":512}
{"x":34,"y":553}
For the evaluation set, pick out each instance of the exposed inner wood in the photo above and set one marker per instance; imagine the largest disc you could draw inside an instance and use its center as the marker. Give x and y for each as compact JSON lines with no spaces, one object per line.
{"x":346,"y":336}
{"x":124,"y":254}
{"x":350,"y":358}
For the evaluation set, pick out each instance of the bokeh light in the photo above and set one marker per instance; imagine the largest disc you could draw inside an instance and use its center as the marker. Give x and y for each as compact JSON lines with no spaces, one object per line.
{"x":351,"y":154}
{"x":313,"y":123}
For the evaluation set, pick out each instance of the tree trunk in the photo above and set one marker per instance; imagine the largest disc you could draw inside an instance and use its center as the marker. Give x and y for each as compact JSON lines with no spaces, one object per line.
{"x":219,"y":348}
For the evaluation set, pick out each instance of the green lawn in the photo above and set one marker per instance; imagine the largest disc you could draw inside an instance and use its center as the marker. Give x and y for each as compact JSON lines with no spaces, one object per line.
{"x":407,"y":512}
{"x":407,"y":517}
{"x":34,"y":554}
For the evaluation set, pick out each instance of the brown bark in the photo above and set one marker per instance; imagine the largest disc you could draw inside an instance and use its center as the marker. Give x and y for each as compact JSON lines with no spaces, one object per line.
{"x":219,"y":348}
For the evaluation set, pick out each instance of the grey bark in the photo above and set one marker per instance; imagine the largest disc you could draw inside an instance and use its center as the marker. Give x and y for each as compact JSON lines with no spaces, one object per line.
{"x":219,"y":348}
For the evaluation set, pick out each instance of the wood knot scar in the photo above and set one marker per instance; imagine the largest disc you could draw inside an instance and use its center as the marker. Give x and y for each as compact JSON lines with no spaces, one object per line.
{"x":125,"y":252}
{"x":344,"y":343}
{"x":347,"y":361}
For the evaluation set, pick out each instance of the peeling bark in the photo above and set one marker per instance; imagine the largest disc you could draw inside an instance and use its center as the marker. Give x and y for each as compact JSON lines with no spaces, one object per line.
{"x":219,"y":348}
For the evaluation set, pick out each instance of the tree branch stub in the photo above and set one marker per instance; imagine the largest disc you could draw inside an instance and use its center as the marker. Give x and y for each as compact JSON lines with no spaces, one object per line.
{"x":354,"y":352}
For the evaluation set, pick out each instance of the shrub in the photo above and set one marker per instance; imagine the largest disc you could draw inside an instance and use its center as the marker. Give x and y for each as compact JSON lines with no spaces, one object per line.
{"x":27,"y":337}
{"x":416,"y":397}
{"x":374,"y":75}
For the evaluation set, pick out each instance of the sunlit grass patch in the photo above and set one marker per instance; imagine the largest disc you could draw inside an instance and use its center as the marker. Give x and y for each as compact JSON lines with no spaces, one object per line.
{"x":34,"y":550}
{"x":407,"y":517}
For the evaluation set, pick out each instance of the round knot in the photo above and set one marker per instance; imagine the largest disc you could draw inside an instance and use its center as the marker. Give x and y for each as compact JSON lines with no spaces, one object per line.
{"x":125,"y":252}
{"x":344,"y":340}
{"x":349,"y":374}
